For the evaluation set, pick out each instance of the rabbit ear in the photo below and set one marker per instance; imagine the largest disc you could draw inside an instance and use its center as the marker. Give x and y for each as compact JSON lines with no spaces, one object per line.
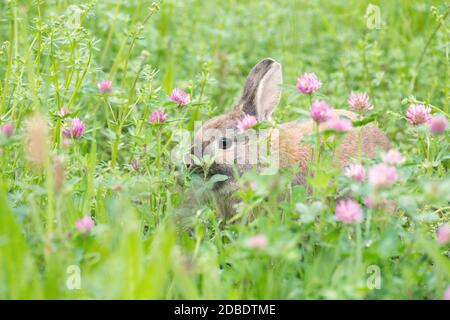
{"x":262,"y":90}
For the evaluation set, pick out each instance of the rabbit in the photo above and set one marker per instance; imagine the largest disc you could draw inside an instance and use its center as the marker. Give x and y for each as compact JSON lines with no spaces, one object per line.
{"x":220,"y":138}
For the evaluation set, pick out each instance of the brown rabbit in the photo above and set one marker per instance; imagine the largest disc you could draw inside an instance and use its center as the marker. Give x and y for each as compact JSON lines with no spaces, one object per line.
{"x":233,"y":149}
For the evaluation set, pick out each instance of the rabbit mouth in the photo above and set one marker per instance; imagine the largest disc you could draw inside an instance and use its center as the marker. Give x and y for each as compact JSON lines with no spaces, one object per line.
{"x":214,"y":169}
{"x":220,"y":185}
{"x":219,"y":169}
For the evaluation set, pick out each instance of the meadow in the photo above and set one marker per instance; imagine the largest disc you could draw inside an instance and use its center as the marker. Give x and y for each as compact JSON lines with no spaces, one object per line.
{"x":97,"y":208}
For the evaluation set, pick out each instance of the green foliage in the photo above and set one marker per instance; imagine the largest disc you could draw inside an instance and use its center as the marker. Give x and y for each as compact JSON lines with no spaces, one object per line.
{"x":157,"y":231}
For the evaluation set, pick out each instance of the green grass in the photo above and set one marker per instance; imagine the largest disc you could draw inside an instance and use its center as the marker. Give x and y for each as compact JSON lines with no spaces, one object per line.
{"x":138,"y":247}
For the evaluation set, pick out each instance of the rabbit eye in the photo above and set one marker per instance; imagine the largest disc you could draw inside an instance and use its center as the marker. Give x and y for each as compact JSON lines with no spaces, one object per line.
{"x":225,"y":143}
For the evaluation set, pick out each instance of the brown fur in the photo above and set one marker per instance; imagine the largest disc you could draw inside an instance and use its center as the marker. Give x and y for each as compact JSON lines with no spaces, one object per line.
{"x":293,"y":152}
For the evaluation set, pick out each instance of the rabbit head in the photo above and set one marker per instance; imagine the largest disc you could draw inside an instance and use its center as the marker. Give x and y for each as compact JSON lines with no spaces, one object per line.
{"x":221,"y":138}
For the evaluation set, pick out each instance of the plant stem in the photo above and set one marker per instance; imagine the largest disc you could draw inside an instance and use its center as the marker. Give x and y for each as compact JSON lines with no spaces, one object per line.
{"x":422,"y":54}
{"x":115,"y":147}
{"x":158,"y":158}
{"x":359,"y":138}
{"x":359,"y":144}
{"x":430,"y":168}
{"x":80,"y":80}
{"x":110,"y":34}
{"x":50,"y":203}
{"x":358,"y":245}
{"x":316,"y":154}
{"x":110,"y":108}
{"x":317,"y":148}
{"x":158,"y":164}
{"x":3,"y":103}
{"x":135,"y":36}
